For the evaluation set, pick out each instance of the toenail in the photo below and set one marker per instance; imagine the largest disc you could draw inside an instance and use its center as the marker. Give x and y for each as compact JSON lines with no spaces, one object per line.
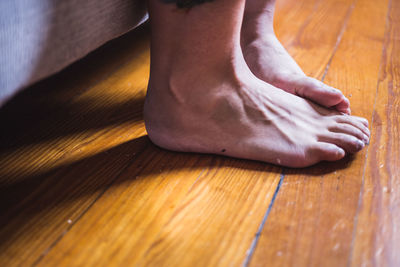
{"x":360,"y":144}
{"x":340,"y":153}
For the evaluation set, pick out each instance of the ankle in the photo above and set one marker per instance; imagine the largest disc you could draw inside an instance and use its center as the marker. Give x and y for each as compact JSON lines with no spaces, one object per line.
{"x":191,"y":73}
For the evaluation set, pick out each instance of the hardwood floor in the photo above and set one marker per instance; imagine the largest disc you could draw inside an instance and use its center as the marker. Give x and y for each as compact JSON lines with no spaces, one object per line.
{"x":82,"y":185}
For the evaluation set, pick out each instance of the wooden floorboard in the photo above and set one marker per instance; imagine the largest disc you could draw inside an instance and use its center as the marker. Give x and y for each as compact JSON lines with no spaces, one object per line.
{"x":377,"y":237}
{"x":175,"y":212}
{"x":82,"y":185}
{"x":67,"y":140}
{"x":312,"y":220}
{"x":313,"y":39}
{"x":192,"y":225}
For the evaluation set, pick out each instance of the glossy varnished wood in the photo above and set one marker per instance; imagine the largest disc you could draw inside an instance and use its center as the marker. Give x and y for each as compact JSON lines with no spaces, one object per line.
{"x":82,"y":185}
{"x":377,"y":238}
{"x":66,"y":141}
{"x":313,"y":220}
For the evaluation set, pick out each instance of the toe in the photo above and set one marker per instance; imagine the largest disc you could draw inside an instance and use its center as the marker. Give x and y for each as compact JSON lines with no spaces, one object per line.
{"x":328,"y":151}
{"x":362,"y":120}
{"x":349,"y":129}
{"x":357,"y":122}
{"x":347,"y":142}
{"x":321,"y":93}
{"x":343,"y":106}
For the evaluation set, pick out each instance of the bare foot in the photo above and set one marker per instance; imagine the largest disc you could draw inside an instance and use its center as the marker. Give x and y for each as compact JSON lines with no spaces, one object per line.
{"x":238,"y":115}
{"x":269,"y":60}
{"x":202,"y":97}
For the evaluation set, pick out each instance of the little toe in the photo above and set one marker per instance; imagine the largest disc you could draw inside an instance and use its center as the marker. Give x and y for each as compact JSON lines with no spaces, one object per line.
{"x":347,"y":142}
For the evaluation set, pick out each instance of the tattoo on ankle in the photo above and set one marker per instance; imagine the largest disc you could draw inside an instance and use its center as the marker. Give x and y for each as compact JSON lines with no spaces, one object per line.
{"x":186,"y":3}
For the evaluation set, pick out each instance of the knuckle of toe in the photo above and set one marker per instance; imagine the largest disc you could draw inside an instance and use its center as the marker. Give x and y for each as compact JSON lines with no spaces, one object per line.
{"x":345,"y":127}
{"x":332,"y":127}
{"x":340,"y":119}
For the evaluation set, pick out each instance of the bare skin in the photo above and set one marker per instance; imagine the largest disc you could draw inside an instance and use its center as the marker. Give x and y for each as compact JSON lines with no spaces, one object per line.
{"x":270,"y":61}
{"x":202,"y":97}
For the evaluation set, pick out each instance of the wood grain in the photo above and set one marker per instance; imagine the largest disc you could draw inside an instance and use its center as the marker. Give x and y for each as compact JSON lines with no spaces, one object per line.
{"x":215,"y":238}
{"x":82,"y":185}
{"x":310,"y":30}
{"x":66,"y":141}
{"x":377,"y":238}
{"x":122,"y":223}
{"x":168,"y":212}
{"x":312,"y":220}
{"x":217,"y":220}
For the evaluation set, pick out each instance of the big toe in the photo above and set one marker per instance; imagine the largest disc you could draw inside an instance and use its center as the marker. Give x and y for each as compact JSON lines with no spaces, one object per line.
{"x":319,"y":92}
{"x":327,"y":152}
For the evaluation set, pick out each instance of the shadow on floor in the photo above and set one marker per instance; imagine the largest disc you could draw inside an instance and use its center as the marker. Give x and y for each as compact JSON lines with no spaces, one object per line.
{"x":46,"y":110}
{"x":27,"y":197}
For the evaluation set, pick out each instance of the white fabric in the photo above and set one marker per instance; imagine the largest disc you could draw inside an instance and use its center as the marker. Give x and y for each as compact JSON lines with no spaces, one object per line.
{"x":41,"y":37}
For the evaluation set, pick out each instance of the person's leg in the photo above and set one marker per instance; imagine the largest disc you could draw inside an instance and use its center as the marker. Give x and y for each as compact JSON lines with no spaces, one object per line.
{"x":269,"y":60}
{"x":202,"y":97}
